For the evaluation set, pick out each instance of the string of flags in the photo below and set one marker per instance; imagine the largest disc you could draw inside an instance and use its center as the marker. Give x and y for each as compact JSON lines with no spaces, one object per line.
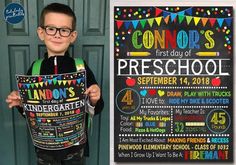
{"x":54,"y":81}
{"x":168,"y":17}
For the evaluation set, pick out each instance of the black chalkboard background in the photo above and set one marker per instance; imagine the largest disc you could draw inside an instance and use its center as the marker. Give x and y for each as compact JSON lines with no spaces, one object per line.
{"x":173,"y":84}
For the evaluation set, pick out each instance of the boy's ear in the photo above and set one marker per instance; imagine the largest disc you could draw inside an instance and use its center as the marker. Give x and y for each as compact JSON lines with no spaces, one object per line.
{"x":40,"y":33}
{"x":73,"y":36}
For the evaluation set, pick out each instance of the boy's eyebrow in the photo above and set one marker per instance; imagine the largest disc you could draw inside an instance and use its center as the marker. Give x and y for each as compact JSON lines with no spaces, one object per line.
{"x":57,"y":26}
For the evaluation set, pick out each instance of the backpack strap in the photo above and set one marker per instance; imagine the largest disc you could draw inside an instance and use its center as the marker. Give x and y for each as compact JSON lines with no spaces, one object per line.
{"x":36,"y":67}
{"x":79,"y":63}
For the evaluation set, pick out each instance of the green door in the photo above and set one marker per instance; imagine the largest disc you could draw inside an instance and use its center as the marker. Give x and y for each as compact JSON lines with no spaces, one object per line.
{"x":19,"y":47}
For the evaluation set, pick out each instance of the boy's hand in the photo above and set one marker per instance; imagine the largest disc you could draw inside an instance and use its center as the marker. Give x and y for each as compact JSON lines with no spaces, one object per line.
{"x":94,"y":94}
{"x":13,"y":99}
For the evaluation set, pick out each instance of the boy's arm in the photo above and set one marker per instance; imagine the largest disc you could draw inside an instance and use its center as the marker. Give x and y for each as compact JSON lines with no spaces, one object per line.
{"x":91,"y":82}
{"x":13,"y":99}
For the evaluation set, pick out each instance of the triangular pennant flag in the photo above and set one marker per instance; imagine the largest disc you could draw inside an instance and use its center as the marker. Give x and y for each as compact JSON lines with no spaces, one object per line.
{"x":189,"y":11}
{"x":196,"y":20}
{"x":58,"y":77}
{"x":212,"y":21}
{"x":150,"y":21}
{"x":181,"y":13}
{"x":44,"y":79}
{"x":36,"y":84}
{"x":220,"y":21}
{"x":28,"y":86}
{"x":167,"y":19}
{"x":119,"y":24}
{"x":49,"y":81}
{"x":158,"y":12}
{"x":143,"y":23}
{"x":19,"y":85}
{"x":181,"y":18}
{"x":165,"y":14}
{"x":204,"y":21}
{"x":69,"y":82}
{"x":127,"y":23}
{"x":82,"y":79}
{"x":189,"y":18}
{"x":158,"y":20}
{"x":32,"y":85}
{"x":135,"y":24}
{"x":78,"y":80}
{"x":74,"y":82}
{"x":173,"y":16}
{"x":24,"y":86}
{"x":46,"y":83}
{"x":228,"y":21}
{"x":59,"y":82}
{"x":64,"y":82}
{"x":41,"y":84}
{"x":54,"y":81}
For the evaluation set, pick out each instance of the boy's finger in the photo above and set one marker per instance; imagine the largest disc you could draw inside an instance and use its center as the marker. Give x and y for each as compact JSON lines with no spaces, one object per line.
{"x":8,"y":100}
{"x":94,"y":94}
{"x":13,"y":97}
{"x":86,"y":92}
{"x":10,"y":105}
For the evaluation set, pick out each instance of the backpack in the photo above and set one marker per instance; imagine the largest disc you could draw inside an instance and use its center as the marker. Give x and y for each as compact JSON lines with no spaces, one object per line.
{"x":79,"y":63}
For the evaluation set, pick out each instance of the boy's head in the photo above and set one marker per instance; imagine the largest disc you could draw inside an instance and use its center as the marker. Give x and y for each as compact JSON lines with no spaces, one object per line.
{"x":57,"y":8}
{"x":57,"y":28}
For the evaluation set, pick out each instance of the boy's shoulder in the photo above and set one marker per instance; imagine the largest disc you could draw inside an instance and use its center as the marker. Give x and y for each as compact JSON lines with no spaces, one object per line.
{"x":78,"y":63}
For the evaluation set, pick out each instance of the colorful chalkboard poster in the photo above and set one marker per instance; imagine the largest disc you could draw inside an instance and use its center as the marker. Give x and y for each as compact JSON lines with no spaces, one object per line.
{"x":54,"y":106}
{"x":173,"y":84}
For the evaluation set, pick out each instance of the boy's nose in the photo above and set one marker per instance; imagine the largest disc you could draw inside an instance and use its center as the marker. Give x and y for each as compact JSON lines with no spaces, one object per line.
{"x":57,"y":33}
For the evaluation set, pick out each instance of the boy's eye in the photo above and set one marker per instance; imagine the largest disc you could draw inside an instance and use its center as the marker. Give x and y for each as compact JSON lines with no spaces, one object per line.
{"x":51,"y":28}
{"x":65,"y":30}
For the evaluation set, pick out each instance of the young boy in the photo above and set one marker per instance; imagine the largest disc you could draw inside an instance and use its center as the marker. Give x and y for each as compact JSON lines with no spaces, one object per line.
{"x":57,"y":30}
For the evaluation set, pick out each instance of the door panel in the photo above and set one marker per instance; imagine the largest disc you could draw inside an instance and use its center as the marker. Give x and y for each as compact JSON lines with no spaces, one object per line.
{"x":20,"y":46}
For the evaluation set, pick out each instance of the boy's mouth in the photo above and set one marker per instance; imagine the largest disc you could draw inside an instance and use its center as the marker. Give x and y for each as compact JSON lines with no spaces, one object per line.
{"x":56,"y":42}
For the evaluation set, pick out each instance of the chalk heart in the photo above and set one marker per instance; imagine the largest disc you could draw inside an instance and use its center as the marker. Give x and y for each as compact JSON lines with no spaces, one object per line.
{"x":161,"y":93}
{"x":43,"y":120}
{"x":202,"y":31}
{"x":77,"y":111}
{"x":143,"y":92}
{"x":152,"y":92}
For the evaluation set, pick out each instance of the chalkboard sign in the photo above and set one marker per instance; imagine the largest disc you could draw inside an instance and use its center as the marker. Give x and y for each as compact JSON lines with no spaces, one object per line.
{"x":173,"y":84}
{"x":54,"y":106}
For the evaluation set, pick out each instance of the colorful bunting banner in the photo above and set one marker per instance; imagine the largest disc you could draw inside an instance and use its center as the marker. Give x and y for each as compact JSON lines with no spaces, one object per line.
{"x":168,"y":17}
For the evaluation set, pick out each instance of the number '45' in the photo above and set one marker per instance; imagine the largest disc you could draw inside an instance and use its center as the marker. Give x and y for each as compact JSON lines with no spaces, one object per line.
{"x":218,"y":118}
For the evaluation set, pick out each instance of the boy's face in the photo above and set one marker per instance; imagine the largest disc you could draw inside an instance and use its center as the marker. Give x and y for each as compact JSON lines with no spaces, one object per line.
{"x":57,"y":44}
